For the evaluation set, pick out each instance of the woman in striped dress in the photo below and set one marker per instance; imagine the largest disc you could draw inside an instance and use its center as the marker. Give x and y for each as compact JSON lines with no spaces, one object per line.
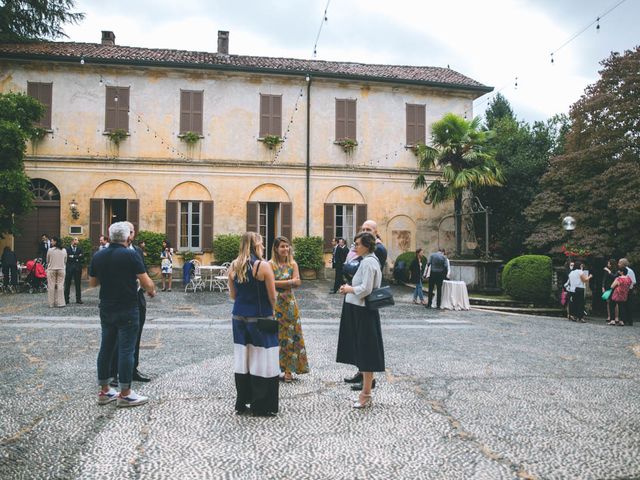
{"x":256,"y":362}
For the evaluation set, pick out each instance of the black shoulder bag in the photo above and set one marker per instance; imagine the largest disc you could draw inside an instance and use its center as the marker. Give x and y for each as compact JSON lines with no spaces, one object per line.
{"x":265,"y":325}
{"x":379,"y":298}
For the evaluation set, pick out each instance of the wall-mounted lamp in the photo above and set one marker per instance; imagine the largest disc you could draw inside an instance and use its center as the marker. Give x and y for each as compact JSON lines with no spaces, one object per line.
{"x":73,"y":206}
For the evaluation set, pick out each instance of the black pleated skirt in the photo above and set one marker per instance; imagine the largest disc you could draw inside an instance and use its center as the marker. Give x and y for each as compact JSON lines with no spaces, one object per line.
{"x":360,"y":338}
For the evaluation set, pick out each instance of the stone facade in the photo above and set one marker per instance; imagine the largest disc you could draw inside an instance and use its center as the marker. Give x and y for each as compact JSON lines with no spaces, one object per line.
{"x":229,"y":165}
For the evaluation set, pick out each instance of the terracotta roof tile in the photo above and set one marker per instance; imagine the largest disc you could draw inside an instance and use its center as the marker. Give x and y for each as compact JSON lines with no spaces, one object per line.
{"x":120,"y":54}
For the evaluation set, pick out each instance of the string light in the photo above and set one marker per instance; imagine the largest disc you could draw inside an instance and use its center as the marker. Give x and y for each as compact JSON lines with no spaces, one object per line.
{"x":325,"y":19}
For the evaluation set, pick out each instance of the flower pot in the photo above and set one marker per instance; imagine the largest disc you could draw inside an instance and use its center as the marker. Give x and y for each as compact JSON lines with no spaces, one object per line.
{"x":308,"y":274}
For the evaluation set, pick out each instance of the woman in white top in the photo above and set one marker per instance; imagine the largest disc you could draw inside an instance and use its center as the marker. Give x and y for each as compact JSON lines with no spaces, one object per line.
{"x":576,"y":287}
{"x":56,"y":266}
{"x":361,"y":344}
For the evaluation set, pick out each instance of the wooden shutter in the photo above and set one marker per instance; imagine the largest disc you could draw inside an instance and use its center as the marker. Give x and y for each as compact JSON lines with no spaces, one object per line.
{"x":276,"y":117}
{"x":172,"y":223}
{"x":411,"y":124}
{"x":122,"y":108}
{"x":95,"y":221}
{"x":361,"y":215}
{"x":185,"y":111}
{"x":43,"y":93}
{"x":252,"y":216}
{"x":110,"y":121}
{"x":421,"y":122}
{"x":286,"y":220}
{"x":207,"y":226}
{"x":341,"y":119}
{"x":265,"y":115}
{"x":329,"y":227}
{"x":196,"y":111}
{"x":351,"y":119}
{"x":133,"y":213}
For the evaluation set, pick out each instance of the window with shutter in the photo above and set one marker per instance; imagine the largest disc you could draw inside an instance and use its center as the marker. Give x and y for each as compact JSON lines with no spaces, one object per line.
{"x":43,"y":93}
{"x":416,"y":121}
{"x":345,"y":119}
{"x":270,"y":115}
{"x":117,"y":109}
{"x":191,"y":108}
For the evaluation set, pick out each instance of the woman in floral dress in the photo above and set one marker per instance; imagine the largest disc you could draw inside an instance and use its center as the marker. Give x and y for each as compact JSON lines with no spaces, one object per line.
{"x":293,"y":355}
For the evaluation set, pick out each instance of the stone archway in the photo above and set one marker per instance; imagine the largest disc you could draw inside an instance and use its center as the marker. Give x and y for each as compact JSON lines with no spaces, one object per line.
{"x":45,"y":218}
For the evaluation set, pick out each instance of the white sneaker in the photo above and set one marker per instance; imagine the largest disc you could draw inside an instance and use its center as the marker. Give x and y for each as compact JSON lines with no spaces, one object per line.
{"x":131,"y":400}
{"x":107,"y":397}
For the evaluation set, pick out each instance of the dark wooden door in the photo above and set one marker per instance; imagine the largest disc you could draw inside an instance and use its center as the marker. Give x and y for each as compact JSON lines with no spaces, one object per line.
{"x":45,"y":218}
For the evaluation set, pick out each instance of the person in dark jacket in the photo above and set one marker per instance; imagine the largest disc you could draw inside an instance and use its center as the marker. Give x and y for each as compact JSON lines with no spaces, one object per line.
{"x":75,"y":256}
{"x":439,"y":270}
{"x":9,"y":267}
{"x":418,"y":268}
{"x":339,"y":257}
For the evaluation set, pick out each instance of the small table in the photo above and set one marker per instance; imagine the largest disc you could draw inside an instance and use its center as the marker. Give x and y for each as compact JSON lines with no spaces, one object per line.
{"x":210,"y":272}
{"x":455,"y":295}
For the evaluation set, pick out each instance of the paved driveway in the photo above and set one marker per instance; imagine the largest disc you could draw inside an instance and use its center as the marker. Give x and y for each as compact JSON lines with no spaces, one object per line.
{"x":466,"y":395}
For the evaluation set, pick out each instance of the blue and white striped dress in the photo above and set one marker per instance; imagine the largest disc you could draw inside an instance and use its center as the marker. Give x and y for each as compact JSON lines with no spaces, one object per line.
{"x":256,"y":353}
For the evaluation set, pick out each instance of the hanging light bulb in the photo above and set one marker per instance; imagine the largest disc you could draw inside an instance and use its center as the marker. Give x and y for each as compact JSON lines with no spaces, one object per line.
{"x":552,"y":58}
{"x":81,"y":60}
{"x":516,"y":84}
{"x":115,"y":99}
{"x":598,"y":24}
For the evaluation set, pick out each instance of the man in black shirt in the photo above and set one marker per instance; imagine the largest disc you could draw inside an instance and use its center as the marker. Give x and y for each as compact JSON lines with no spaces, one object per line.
{"x":116,"y":270}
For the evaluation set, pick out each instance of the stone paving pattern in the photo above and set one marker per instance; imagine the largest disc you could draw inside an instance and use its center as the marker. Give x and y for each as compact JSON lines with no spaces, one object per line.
{"x":466,"y":395}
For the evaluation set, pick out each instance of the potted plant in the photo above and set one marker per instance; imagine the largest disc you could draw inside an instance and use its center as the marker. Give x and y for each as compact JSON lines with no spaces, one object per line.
{"x":271,"y":141}
{"x":347,"y":145}
{"x":190,"y":138}
{"x":308,"y":254}
{"x":117,"y":135}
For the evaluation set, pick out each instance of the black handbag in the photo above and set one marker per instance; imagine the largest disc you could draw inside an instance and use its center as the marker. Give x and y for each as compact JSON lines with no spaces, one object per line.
{"x":379,"y":298}
{"x":265,"y":325}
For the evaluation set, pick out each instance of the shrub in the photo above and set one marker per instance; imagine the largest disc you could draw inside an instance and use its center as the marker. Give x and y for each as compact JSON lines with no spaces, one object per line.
{"x":308,"y":252}
{"x":528,"y":278}
{"x":153,"y":246}
{"x":225,"y":247}
{"x":84,"y":244}
{"x":407,"y":258}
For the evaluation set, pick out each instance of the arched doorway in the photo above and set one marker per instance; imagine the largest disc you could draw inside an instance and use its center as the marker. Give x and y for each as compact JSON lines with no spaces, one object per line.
{"x":45,"y":218}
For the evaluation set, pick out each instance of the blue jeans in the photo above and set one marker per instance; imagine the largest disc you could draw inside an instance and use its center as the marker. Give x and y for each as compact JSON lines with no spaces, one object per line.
{"x":418,"y":291}
{"x":121,"y":326}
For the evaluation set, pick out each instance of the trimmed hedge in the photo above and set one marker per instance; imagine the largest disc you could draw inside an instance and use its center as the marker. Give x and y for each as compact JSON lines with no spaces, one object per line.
{"x":407,"y":258}
{"x":84,"y":244}
{"x":153,"y":246}
{"x":226,"y":247}
{"x":528,"y":278}
{"x":308,"y":252}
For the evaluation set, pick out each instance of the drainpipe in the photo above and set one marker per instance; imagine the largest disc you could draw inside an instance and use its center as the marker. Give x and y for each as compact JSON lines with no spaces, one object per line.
{"x":308,"y":176}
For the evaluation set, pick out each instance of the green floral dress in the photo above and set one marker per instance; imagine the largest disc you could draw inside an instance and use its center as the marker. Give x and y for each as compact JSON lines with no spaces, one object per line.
{"x":293,"y":355}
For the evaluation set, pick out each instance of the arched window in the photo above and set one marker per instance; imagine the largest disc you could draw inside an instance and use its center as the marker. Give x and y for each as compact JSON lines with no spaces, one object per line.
{"x":44,"y":190}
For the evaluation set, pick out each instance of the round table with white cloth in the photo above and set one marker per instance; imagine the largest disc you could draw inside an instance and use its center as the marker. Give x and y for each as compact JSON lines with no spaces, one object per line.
{"x":454,"y":295}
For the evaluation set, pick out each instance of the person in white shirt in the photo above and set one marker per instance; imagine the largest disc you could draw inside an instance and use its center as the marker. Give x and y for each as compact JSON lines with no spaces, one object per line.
{"x":576,"y":288}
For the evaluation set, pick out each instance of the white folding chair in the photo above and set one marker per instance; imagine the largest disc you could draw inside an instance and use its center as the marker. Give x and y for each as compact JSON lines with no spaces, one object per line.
{"x":196,"y":283}
{"x":221,"y":281}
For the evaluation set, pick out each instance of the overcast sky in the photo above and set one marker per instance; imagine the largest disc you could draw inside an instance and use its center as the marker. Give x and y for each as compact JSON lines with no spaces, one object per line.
{"x":491,"y":41}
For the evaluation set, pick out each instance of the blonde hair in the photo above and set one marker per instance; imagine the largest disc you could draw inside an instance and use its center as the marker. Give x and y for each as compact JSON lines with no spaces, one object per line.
{"x":275,"y":257}
{"x":243,"y":260}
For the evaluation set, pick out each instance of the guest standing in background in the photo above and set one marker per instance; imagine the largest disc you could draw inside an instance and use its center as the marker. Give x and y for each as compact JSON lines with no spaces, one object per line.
{"x":609,"y":275}
{"x":418,"y":269}
{"x":56,"y":266}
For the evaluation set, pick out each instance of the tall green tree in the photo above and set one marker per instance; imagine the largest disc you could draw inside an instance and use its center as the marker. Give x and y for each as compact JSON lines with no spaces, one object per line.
{"x":498,"y":109}
{"x":523,"y":152}
{"x":597,"y":178}
{"x":18,"y":113}
{"x":35,"y":19}
{"x":459,"y":148}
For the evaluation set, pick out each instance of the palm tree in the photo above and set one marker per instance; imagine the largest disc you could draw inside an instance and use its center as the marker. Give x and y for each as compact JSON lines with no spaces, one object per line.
{"x":459,"y":147}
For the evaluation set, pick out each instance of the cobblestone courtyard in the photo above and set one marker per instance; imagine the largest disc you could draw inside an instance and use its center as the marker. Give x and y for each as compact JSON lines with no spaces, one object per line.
{"x":466,"y":395}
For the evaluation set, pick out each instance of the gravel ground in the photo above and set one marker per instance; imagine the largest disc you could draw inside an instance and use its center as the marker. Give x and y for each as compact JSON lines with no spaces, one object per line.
{"x":466,"y":395}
